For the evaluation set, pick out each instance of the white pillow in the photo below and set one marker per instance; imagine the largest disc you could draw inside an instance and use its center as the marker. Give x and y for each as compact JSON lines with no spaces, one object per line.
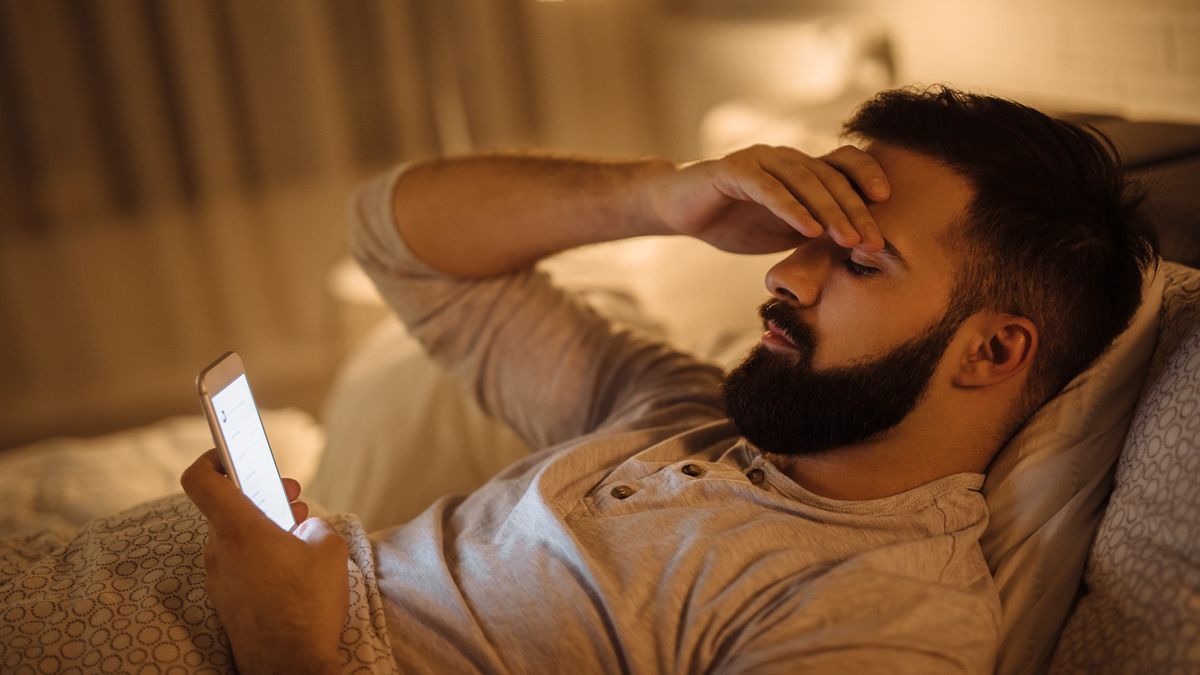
{"x":1047,"y":487}
{"x":1141,"y":611}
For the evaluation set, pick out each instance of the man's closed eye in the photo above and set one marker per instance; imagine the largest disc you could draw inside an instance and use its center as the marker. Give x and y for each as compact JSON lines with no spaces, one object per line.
{"x":859,"y":270}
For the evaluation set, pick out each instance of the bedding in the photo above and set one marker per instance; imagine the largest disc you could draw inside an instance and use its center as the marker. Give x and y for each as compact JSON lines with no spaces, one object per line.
{"x":1141,"y":612}
{"x":1047,"y":487}
{"x":65,"y":482}
{"x":126,"y":594}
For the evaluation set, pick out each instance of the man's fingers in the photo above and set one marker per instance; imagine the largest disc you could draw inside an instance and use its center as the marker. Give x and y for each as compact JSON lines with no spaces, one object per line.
{"x":811,"y":185}
{"x":299,"y":511}
{"x":291,"y":487}
{"x":803,"y":177}
{"x":812,"y":196}
{"x":765,"y":189}
{"x":863,"y":169}
{"x":850,"y":203}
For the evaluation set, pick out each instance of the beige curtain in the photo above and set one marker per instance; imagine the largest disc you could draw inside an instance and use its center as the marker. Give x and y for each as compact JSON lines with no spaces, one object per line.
{"x":124,"y":104}
{"x":173,"y":172}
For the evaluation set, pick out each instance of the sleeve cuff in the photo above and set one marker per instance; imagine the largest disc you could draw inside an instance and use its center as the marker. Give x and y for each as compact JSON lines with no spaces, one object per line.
{"x":374,"y":240}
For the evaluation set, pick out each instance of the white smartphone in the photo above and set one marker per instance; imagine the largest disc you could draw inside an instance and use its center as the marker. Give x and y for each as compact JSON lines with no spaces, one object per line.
{"x":238,"y":431}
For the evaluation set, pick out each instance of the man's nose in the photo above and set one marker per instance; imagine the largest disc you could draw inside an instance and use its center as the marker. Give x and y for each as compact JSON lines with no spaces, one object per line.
{"x":799,"y":278}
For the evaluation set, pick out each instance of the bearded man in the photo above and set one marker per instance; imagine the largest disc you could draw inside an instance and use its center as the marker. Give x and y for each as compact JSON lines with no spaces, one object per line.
{"x":815,"y":510}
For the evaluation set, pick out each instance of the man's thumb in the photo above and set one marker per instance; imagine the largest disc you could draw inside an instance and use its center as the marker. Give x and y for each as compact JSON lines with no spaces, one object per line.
{"x":208,"y":488}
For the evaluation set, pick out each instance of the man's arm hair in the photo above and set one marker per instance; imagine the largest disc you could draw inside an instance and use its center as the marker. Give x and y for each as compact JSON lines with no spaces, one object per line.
{"x":492,"y":214}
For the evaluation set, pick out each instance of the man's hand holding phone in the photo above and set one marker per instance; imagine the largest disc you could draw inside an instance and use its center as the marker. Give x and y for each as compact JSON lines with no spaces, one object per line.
{"x":276,"y":577}
{"x":281,"y":596}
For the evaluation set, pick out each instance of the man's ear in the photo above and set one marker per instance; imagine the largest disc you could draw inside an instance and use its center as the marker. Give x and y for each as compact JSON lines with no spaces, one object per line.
{"x":1001,"y":346}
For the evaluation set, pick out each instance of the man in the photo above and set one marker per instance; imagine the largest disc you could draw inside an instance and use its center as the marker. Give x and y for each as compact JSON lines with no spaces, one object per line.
{"x":815,"y":511}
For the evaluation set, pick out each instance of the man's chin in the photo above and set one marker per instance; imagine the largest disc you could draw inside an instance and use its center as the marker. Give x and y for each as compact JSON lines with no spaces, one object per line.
{"x":762,"y":402}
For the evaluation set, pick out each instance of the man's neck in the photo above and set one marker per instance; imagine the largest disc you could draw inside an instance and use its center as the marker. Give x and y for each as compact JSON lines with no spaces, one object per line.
{"x":882,"y":467}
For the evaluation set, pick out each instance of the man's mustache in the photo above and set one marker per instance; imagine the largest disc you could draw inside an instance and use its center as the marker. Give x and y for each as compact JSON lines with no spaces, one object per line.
{"x":785,"y":319}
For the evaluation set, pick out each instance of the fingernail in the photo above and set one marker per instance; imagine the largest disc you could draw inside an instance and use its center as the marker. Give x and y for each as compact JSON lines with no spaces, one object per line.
{"x":879,"y":188}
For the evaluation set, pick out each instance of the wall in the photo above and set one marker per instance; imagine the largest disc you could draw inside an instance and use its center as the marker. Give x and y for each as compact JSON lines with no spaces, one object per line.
{"x":1141,"y":59}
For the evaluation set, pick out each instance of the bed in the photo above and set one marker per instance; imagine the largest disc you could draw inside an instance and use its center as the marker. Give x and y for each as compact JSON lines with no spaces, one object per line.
{"x":1096,"y":529}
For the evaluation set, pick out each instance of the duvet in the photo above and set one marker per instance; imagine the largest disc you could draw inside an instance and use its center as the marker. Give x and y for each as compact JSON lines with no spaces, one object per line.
{"x":126,"y":594}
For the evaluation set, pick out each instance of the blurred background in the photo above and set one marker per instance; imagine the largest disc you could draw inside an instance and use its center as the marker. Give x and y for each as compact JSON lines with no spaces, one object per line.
{"x":173,"y":172}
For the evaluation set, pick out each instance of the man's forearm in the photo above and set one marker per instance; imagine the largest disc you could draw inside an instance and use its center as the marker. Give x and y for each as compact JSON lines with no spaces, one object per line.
{"x":487,"y":215}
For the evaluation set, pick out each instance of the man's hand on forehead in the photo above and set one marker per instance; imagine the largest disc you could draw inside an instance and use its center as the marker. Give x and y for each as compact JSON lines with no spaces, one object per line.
{"x":764,"y":199}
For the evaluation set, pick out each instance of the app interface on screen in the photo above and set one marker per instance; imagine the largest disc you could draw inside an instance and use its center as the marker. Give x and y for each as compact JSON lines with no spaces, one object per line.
{"x":250,"y":452}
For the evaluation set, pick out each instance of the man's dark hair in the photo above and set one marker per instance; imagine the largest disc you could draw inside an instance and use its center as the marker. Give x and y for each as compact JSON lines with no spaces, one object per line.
{"x":1055,"y":233}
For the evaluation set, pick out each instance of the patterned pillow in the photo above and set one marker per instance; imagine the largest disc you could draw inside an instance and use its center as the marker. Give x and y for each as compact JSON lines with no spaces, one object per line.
{"x":1141,"y":610}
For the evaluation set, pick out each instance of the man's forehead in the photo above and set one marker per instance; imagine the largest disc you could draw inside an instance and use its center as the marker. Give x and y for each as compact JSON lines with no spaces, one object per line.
{"x":927,"y":198}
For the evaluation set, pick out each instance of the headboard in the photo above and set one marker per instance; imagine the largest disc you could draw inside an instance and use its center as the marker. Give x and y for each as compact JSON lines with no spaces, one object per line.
{"x":1165,"y":158}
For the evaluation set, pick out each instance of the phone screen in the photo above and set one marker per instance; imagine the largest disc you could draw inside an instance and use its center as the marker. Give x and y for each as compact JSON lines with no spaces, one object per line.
{"x":250,"y":452}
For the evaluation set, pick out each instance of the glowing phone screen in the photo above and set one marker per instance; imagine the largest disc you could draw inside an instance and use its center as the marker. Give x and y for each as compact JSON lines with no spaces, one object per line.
{"x":250,"y":452}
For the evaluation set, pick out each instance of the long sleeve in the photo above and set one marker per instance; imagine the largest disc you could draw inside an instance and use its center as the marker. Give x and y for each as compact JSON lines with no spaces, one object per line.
{"x":530,"y":353}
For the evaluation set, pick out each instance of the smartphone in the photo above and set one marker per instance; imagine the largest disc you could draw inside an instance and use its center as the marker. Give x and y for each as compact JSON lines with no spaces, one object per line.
{"x":241,"y":440}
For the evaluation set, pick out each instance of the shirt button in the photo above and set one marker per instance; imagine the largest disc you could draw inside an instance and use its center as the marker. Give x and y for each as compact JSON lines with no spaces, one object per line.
{"x":692,"y":470}
{"x":622,"y":491}
{"x":755,"y":475}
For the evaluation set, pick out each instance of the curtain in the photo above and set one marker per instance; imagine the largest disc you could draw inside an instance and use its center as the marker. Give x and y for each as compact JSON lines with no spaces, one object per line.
{"x":116,"y":106}
{"x":173,"y":175}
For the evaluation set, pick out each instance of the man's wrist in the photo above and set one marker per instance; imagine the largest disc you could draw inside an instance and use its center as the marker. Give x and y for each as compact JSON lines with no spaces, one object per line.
{"x":647,"y":183}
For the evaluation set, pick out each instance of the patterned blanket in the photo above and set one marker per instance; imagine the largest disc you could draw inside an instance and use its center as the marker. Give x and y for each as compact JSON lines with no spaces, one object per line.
{"x":126,"y":594}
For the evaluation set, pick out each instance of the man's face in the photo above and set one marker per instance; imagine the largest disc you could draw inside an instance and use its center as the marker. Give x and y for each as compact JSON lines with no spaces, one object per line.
{"x":853,"y":338}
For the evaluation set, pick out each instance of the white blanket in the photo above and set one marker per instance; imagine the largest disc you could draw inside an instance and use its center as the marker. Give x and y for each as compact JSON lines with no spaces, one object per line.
{"x":62,"y":482}
{"x":126,"y":594}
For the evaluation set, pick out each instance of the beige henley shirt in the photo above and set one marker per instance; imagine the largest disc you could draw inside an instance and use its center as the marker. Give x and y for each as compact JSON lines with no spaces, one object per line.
{"x":648,"y":536}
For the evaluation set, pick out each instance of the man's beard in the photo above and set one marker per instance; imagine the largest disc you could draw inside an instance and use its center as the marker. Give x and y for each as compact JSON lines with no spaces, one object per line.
{"x":784,"y":406}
